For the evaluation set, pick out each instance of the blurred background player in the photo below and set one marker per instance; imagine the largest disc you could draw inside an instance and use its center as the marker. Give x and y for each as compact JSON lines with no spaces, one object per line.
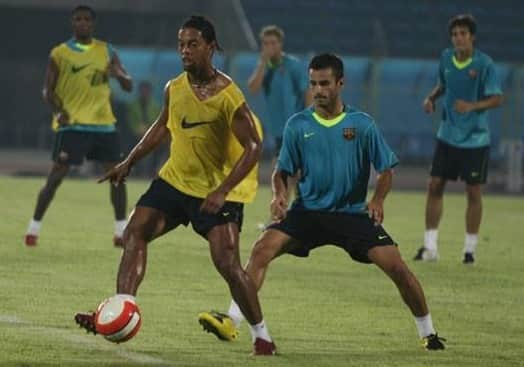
{"x":76,"y":87}
{"x":283,"y":81}
{"x":470,"y":87}
{"x":211,"y":172}
{"x":141,"y":113}
{"x":333,"y":146}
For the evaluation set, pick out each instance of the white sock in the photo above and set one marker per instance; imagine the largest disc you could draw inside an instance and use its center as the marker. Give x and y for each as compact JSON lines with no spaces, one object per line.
{"x":424,"y":325}
{"x":235,"y":313}
{"x":126,"y":297}
{"x":120,"y":226}
{"x":34,"y":227}
{"x":470,"y":242}
{"x":430,"y":239}
{"x":260,"y":331}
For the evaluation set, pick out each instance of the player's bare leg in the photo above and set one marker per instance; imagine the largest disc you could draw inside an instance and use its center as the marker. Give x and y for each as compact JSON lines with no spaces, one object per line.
{"x":434,"y":209}
{"x":224,"y":247}
{"x":389,"y":260}
{"x":118,"y":196}
{"x":45,"y":196}
{"x":145,"y":224}
{"x":473,"y":219}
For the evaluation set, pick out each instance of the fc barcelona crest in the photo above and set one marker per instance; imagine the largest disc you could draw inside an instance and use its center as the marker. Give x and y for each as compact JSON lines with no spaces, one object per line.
{"x":472,"y":73}
{"x":349,"y":133}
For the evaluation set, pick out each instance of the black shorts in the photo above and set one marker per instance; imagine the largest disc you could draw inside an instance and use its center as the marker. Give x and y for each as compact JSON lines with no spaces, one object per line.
{"x":71,"y":147}
{"x":183,"y":209}
{"x":467,"y":164}
{"x":354,"y":233}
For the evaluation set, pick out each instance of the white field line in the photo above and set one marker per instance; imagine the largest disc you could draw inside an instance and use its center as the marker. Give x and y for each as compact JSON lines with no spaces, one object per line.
{"x":83,"y":341}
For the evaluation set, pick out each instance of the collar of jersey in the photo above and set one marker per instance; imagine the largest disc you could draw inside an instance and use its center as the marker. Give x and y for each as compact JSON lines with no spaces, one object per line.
{"x":76,"y":46}
{"x":461,"y":64}
{"x":329,"y":122}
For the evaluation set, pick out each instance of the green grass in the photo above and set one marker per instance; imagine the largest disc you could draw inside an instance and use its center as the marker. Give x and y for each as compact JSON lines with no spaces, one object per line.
{"x":323,"y":311}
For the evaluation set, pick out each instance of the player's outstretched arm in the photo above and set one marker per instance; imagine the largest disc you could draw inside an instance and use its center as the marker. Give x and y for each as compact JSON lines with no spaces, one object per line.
{"x":152,"y":138}
{"x":376,"y":204}
{"x":245,"y":130}
{"x":116,"y":69}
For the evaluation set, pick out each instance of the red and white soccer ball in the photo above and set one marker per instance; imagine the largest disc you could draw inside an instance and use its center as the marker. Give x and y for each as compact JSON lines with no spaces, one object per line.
{"x":118,"y":319}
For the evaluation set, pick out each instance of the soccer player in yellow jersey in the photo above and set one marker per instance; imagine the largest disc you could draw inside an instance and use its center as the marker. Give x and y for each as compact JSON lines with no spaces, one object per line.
{"x":211,"y":172}
{"x":76,"y":87}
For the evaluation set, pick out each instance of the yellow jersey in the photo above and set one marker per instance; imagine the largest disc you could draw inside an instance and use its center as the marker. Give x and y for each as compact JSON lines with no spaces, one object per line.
{"x":82,"y":83}
{"x":203,"y":146}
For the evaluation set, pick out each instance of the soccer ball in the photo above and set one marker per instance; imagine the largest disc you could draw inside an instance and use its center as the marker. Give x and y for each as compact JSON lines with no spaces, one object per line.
{"x":117,"y":319}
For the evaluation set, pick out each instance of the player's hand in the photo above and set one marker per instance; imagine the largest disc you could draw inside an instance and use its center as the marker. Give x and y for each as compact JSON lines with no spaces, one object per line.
{"x":462,"y":106}
{"x":62,"y":118}
{"x":213,"y":202}
{"x":264,"y":55}
{"x":429,"y":105}
{"x":117,"y":174}
{"x":376,"y":210}
{"x":278,"y":208}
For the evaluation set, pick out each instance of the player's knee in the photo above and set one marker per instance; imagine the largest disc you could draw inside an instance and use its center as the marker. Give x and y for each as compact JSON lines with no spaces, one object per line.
{"x":436,"y":188}
{"x":473,"y":194}
{"x":229,"y":270}
{"x":399,"y":272}
{"x":260,"y":256}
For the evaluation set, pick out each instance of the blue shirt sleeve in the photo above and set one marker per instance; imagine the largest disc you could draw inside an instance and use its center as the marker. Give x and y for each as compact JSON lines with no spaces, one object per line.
{"x":289,"y":156}
{"x":441,"y":77}
{"x":490,"y":81}
{"x":379,"y":152}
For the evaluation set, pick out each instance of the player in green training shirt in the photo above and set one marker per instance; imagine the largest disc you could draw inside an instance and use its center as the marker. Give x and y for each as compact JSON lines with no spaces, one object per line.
{"x":469,"y":87}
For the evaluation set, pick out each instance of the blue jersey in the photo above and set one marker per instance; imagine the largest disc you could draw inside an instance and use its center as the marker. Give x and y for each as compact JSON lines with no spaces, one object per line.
{"x":284,"y":86}
{"x":334,"y":158}
{"x":471,"y":81}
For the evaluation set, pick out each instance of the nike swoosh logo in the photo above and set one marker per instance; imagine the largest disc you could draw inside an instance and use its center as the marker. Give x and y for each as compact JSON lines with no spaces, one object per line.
{"x":76,"y":69}
{"x":308,"y":135}
{"x":190,"y":125}
{"x":382,"y":237}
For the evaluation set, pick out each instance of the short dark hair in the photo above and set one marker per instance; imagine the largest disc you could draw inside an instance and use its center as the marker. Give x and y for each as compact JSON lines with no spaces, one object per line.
{"x":272,"y":30}
{"x":84,"y":8}
{"x":205,"y":26}
{"x":463,"y":20}
{"x":328,"y":61}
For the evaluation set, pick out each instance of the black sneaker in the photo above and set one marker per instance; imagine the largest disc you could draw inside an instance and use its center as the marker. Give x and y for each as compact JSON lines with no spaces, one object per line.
{"x":419,"y":254}
{"x":433,"y":342}
{"x":468,"y":258}
{"x":86,"y":321}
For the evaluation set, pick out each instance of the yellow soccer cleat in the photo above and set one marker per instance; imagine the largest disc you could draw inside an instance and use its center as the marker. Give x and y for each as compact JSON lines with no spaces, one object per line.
{"x":219,"y":324}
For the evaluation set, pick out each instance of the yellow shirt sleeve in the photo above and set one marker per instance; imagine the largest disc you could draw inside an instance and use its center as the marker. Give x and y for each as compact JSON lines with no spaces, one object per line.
{"x":234,"y":99}
{"x":55,"y":55}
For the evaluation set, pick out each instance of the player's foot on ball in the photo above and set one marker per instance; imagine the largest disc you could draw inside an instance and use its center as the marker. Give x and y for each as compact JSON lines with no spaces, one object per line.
{"x":86,"y":321}
{"x":425,"y":254}
{"x":30,"y":240}
{"x":262,"y":347}
{"x":468,"y":258}
{"x":219,"y":324}
{"x":433,"y":342}
{"x":118,"y":242}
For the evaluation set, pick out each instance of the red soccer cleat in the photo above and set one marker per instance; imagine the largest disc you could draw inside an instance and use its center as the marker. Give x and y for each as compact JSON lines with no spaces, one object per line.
{"x":86,"y":321}
{"x":118,"y":242}
{"x":30,"y":240}
{"x":262,"y":347}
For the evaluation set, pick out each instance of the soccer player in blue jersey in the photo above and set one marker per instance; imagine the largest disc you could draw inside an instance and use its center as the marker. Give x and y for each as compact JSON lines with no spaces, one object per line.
{"x":469,"y":87}
{"x":334,"y":145}
{"x":283,"y":81}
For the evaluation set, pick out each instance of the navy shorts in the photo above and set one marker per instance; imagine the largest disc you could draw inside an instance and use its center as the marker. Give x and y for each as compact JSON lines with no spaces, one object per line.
{"x":467,"y":164}
{"x":355,"y":233}
{"x":72,"y":147}
{"x":183,"y":209}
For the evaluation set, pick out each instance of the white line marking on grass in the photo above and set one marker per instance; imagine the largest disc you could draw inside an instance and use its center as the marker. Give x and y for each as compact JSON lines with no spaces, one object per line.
{"x":84,"y":341}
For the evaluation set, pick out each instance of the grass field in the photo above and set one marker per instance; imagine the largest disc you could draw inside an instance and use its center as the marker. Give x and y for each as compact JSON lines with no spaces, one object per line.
{"x":323,"y":311}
